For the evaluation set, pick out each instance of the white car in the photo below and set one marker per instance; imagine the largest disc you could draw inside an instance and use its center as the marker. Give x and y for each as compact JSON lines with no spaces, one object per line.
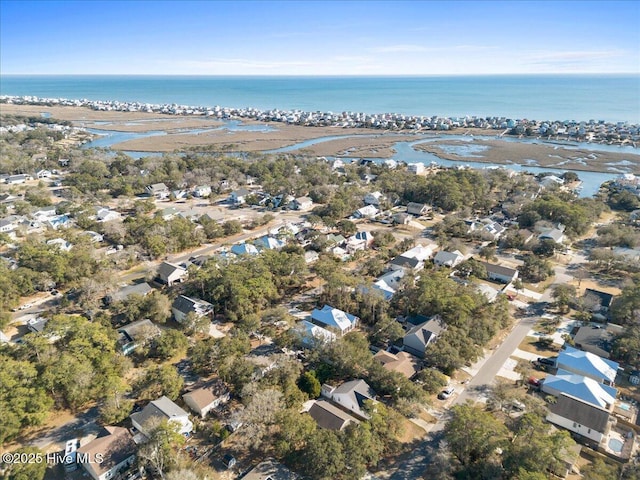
{"x":25,"y":306}
{"x":446,"y":393}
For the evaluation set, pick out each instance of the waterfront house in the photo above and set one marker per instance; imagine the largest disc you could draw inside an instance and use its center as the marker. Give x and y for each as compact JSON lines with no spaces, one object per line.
{"x":156,"y":411}
{"x":183,"y":305}
{"x":168,"y":273}
{"x":334,"y":318}
{"x":116,"y":449}
{"x":202,"y":400}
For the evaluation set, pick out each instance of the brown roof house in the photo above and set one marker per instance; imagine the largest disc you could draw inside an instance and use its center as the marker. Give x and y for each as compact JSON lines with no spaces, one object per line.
{"x":205,"y":399}
{"x":330,"y":417}
{"x":401,"y":362}
{"x":112,"y":453}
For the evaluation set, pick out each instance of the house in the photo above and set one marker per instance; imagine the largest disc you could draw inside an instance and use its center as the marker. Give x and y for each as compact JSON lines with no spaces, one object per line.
{"x":58,"y":221}
{"x":43,"y":213}
{"x":9,"y":224}
{"x":448,"y":259}
{"x":244,"y":249}
{"x":167,"y":213}
{"x":302,"y":204}
{"x":17,"y":179}
{"x":596,"y":338}
{"x":63,"y":162}
{"x":584,"y":388}
{"x":401,"y":362}
{"x":360,"y":241}
{"x":587,"y":364}
{"x":94,"y":236}
{"x":551,"y":181}
{"x":184,"y":305}
{"x":158,"y":190}
{"x":401,"y":218}
{"x":168,"y":273}
{"x":418,"y":338}
{"x":311,"y":335}
{"x":582,"y":418}
{"x":238,"y":197}
{"x":389,"y":283}
{"x":116,"y":449}
{"x":416,"y":168}
{"x":499,"y":273}
{"x":329,"y":317}
{"x":136,"y":334}
{"x":269,"y":243}
{"x":418,"y":209}
{"x":202,"y":191}
{"x":330,"y":417}
{"x":368,"y":211}
{"x":603,"y":300}
{"x":410,"y":264}
{"x":555,"y":234}
{"x":311,"y":256}
{"x":37,"y":324}
{"x":61,"y":243}
{"x":178,"y":194}
{"x":373,"y":198}
{"x":156,"y":411}
{"x":106,"y":215}
{"x":43,"y":174}
{"x":207,"y":398}
{"x":142,"y":289}
{"x":351,"y":396}
{"x":270,"y":470}
{"x":493,"y":230}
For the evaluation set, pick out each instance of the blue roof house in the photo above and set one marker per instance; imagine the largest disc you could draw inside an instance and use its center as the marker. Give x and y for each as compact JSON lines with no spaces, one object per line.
{"x":587,"y":364}
{"x":330,"y":317}
{"x":583,"y":388}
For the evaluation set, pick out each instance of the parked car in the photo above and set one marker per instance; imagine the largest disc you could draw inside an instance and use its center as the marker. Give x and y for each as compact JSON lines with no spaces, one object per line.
{"x":446,"y":393}
{"x":229,"y":460}
{"x":547,"y":361}
{"x":534,"y":382}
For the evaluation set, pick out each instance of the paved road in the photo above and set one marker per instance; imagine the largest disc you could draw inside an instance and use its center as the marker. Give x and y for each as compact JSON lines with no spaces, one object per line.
{"x":83,"y":424}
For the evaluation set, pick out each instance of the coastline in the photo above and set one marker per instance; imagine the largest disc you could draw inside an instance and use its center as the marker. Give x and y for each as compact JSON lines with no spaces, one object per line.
{"x":350,"y":142}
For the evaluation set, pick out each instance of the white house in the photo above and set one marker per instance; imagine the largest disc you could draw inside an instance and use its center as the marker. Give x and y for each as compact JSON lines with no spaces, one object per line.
{"x":18,"y":179}
{"x":43,"y":174}
{"x":238,"y":197}
{"x":579,"y":417}
{"x":202,"y":191}
{"x":169,"y":273}
{"x":448,"y":259}
{"x":360,"y":241}
{"x":207,"y":398}
{"x":416,"y":168}
{"x":116,"y":449}
{"x":422,"y":335}
{"x":368,"y":211}
{"x":61,"y":243}
{"x":586,"y":363}
{"x":330,"y":317}
{"x":301,"y":203}
{"x":106,"y":214}
{"x":184,"y":305}
{"x":156,"y":411}
{"x":373,"y":198}
{"x":350,"y":396}
{"x":555,"y":234}
{"x":500,"y":273}
{"x":43,"y":213}
{"x":158,"y":190}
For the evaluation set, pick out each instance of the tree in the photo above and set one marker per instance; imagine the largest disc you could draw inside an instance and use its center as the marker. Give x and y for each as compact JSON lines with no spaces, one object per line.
{"x":599,"y":470}
{"x":432,"y":380}
{"x":34,"y":469}
{"x":473,"y":435}
{"x":310,"y":384}
{"x":161,"y":449}
{"x":160,"y":380}
{"x":323,"y":456}
{"x":564,"y":295}
{"x":535,"y":269}
{"x":157,"y":307}
{"x":193,"y":323}
{"x":170,"y":343}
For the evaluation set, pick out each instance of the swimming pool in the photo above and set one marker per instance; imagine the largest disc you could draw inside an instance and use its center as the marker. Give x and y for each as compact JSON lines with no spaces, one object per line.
{"x":616,"y":445}
{"x":625,"y":406}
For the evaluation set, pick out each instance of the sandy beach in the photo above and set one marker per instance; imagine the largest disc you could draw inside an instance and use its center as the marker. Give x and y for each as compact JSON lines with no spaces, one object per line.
{"x":356,"y":142}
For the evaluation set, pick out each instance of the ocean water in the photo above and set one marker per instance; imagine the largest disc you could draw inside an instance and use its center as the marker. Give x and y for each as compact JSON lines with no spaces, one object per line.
{"x":613,"y":98}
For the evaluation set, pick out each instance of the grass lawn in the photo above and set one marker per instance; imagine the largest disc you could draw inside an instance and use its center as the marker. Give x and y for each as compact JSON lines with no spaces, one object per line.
{"x":410,"y":432}
{"x":531,"y":345}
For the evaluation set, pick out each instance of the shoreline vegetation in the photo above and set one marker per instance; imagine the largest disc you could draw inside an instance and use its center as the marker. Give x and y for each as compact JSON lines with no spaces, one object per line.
{"x":491,"y":143}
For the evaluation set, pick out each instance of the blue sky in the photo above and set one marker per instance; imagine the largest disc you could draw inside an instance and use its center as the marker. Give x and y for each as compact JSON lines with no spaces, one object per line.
{"x":318,"y":37}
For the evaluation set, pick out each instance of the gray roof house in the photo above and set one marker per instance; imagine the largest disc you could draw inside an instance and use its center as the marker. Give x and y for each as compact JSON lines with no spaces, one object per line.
{"x":117,"y":449}
{"x":350,"y":396}
{"x":169,"y":273}
{"x":270,"y":470}
{"x":596,"y":338}
{"x":158,"y":190}
{"x":499,"y":273}
{"x":419,"y":337}
{"x":448,"y":259}
{"x":330,"y":417}
{"x":580,"y":417}
{"x":142,"y":289}
{"x":184,"y":305}
{"x":418,"y":208}
{"x":135,"y":334}
{"x":161,"y":409}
